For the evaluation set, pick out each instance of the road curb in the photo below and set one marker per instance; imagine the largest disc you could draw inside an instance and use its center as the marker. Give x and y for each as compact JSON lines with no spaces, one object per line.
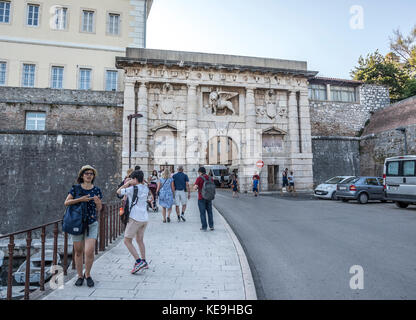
{"x":249,"y":288}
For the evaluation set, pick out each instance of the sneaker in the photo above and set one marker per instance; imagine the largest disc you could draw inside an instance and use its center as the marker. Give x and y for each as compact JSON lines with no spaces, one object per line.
{"x":136,"y":267}
{"x":168,"y":219}
{"x":143,"y":265}
{"x":212,"y":229}
{"x":202,"y":229}
{"x":90,"y":282}
{"x":183,"y":218}
{"x":79,"y":282}
{"x":179,"y":219}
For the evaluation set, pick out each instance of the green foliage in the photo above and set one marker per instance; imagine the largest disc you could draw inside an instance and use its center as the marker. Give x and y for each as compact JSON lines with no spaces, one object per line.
{"x":377,"y":69}
{"x":397,"y":69}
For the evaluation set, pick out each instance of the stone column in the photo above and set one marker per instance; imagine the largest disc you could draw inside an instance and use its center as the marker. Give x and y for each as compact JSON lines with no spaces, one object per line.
{"x":249,"y":153}
{"x":293,"y":131}
{"x":141,"y":156}
{"x":192,"y":162}
{"x":128,"y":108}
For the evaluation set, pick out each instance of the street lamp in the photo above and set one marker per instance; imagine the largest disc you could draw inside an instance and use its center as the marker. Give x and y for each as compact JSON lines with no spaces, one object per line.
{"x":404,"y":131}
{"x":130,"y":118}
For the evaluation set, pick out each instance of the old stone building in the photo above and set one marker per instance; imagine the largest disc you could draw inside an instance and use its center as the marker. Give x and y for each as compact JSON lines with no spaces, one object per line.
{"x":187,"y":99}
{"x":339,"y":110}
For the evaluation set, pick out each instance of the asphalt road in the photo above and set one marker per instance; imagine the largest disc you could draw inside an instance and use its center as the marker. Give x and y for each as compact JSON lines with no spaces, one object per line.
{"x":304,"y":249}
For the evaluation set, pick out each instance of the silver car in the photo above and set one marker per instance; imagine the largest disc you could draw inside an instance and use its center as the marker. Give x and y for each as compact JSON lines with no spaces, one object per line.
{"x":362,"y":189}
{"x":328,"y":189}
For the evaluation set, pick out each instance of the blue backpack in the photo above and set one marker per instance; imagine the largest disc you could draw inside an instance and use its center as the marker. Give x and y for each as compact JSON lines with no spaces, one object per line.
{"x":75,"y":220}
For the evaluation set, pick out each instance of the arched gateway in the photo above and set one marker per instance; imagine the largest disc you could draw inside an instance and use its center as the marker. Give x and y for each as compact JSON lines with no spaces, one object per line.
{"x":187,"y":99}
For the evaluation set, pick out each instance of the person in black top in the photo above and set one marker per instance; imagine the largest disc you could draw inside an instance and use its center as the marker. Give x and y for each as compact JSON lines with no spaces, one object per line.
{"x":85,"y":191}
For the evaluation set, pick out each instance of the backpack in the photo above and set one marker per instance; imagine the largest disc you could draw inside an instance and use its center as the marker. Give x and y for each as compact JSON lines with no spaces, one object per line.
{"x":208,"y":189}
{"x":127,"y":207}
{"x":75,"y":219}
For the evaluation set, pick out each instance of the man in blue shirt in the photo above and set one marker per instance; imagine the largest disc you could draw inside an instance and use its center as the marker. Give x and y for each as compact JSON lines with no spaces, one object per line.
{"x":181,"y":182}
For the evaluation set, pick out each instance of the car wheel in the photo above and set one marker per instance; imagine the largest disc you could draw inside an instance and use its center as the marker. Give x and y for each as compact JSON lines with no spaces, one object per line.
{"x":402,"y":205}
{"x":334,"y":196}
{"x":383,"y":201}
{"x":363,"y":199}
{"x":345,"y":200}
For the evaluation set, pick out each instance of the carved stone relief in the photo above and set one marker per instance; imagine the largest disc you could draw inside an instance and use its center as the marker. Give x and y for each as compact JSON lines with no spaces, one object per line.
{"x":164,"y":104}
{"x":221,"y":103}
{"x":270,"y":107}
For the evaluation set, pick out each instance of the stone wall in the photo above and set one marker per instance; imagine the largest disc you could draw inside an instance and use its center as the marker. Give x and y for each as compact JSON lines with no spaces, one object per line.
{"x":335,"y":156}
{"x":381,"y":140}
{"x":329,"y":118}
{"x":37,"y":168}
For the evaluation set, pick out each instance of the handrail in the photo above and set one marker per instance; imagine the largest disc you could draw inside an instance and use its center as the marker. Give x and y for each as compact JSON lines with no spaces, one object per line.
{"x":110,"y":228}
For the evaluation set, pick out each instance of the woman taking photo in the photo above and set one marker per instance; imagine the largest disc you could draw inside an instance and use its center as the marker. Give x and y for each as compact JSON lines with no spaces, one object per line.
{"x":85,"y":191}
{"x":166,"y":187}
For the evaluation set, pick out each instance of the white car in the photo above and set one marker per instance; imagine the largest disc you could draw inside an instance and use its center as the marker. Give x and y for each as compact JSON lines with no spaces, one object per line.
{"x":328,"y":189}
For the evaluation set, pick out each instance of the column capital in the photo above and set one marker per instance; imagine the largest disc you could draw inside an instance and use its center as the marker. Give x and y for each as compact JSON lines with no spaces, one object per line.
{"x":129,"y":82}
{"x":192,"y":85}
{"x":251,"y":88}
{"x":143,"y":83}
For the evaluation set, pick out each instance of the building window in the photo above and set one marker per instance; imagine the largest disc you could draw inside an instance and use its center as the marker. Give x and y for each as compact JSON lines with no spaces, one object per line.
{"x":87,"y":21}
{"x":111,"y":80}
{"x":113,"y":24}
{"x":35,"y":121}
{"x":57,"y":77}
{"x":5,"y":11}
{"x":317,"y":92}
{"x":33,"y":15}
{"x":84,"y":79}
{"x":343,"y":94}
{"x":28,"y":75}
{"x":3,"y":67}
{"x":60,"y":20}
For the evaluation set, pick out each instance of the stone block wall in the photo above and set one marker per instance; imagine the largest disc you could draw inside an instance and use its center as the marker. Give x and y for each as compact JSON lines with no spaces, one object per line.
{"x":37,"y":168}
{"x":381,"y":140}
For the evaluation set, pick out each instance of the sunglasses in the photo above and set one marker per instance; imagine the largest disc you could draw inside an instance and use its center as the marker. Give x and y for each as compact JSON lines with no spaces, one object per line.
{"x":89,"y":173}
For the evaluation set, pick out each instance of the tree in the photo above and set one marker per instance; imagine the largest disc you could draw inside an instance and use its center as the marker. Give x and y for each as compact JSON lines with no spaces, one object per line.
{"x":405,"y":48}
{"x":377,"y":69}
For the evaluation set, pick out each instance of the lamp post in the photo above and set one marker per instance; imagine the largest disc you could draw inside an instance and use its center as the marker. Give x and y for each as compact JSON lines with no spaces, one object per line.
{"x":404,"y":131}
{"x":130,"y":118}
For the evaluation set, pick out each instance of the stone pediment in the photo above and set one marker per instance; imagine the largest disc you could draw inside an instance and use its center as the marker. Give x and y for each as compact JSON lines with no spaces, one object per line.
{"x":166,"y":126}
{"x":274,"y":131}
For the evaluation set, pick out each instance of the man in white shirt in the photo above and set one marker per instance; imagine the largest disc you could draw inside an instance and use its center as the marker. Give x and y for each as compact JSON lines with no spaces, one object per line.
{"x":138,"y":218}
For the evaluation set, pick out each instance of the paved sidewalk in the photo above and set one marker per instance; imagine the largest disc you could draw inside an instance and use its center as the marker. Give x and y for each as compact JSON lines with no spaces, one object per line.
{"x":186,"y":264}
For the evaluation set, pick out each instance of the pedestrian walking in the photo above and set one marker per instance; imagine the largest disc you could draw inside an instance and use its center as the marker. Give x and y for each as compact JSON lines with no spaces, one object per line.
{"x":285,"y":181}
{"x":153,"y":181}
{"x":165,"y":191}
{"x":206,"y":193}
{"x":138,"y":218}
{"x":84,"y":244}
{"x":256,"y":185}
{"x":126,"y":178}
{"x":291,"y":180}
{"x":181,"y":182}
{"x":235,"y":186}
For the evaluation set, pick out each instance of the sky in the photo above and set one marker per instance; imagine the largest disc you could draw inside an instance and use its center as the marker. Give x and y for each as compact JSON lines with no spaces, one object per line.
{"x":330,"y":35}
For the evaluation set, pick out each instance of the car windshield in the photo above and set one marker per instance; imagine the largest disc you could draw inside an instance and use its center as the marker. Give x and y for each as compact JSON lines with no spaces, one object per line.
{"x":334,"y":180}
{"x":218,"y":172}
{"x":351,"y":180}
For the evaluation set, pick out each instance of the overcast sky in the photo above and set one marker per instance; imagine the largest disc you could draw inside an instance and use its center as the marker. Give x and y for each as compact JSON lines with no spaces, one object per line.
{"x":329,"y":34}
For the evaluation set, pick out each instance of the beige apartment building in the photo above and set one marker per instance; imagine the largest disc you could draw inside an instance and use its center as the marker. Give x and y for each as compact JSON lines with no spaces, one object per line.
{"x":69,"y":44}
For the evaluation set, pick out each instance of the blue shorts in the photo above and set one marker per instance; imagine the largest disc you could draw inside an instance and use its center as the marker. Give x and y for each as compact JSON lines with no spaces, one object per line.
{"x":255,"y":189}
{"x":285,"y":183}
{"x":93,"y":233}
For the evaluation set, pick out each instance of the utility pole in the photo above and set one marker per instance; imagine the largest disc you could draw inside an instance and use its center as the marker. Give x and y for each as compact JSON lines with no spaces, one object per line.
{"x":130,"y":118}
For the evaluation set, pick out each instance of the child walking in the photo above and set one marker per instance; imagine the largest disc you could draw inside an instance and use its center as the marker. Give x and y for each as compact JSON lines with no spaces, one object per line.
{"x":138,"y":218}
{"x":256,"y":186}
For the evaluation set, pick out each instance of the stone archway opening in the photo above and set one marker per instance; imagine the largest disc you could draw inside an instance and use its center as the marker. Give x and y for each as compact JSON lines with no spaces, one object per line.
{"x":222,"y":150}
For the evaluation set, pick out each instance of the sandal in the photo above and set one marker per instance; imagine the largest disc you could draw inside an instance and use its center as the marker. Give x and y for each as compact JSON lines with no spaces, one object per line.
{"x":79,"y":282}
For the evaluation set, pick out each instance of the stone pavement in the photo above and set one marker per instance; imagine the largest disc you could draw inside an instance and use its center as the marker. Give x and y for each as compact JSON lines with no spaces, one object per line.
{"x":186,"y":264}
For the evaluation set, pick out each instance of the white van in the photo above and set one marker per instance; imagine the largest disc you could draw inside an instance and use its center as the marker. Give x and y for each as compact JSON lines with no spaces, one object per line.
{"x":400,"y":180}
{"x":216,"y":171}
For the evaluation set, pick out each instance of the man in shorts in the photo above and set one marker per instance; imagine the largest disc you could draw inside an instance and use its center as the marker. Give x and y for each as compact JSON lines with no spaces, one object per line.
{"x":181,"y":182}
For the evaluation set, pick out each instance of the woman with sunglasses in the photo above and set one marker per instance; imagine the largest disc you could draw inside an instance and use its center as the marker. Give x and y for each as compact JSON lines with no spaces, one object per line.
{"x":85,"y":191}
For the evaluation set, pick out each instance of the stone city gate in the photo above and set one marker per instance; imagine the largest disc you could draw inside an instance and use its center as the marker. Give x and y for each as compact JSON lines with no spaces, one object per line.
{"x":187,"y":99}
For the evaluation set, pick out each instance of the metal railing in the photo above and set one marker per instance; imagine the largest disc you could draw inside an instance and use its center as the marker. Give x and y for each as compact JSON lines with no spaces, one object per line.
{"x":110,"y":228}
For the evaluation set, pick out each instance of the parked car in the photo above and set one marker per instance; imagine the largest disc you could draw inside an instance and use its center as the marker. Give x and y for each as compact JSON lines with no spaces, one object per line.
{"x":400,"y":180}
{"x":328,"y":189}
{"x":220,"y":174}
{"x":362,"y":189}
